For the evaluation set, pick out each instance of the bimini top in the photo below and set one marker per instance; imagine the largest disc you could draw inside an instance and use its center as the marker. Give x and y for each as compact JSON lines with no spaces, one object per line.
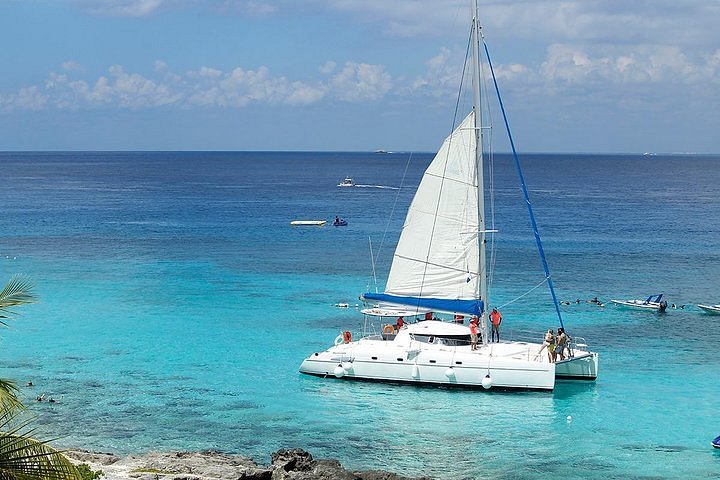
{"x":654,"y":298}
{"x":418,"y":304}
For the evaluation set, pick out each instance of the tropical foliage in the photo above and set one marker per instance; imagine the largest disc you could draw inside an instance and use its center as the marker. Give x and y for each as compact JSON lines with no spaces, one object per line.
{"x":21,"y":456}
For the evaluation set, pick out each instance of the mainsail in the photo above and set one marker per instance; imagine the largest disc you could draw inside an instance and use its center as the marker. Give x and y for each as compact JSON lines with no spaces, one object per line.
{"x":436,"y":261}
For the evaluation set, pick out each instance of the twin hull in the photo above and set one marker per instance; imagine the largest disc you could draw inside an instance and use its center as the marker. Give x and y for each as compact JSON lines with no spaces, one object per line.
{"x":508,"y":365}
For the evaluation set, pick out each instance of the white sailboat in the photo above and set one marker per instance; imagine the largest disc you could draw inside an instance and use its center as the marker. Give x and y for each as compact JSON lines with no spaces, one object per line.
{"x":439,"y":267}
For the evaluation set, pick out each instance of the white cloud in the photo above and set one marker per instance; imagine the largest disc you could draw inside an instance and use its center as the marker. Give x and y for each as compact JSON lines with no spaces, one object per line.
{"x":360,"y":81}
{"x":120,"y":8}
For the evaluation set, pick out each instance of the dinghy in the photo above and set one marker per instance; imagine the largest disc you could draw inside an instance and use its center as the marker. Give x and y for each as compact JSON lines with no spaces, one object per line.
{"x":711,"y":309}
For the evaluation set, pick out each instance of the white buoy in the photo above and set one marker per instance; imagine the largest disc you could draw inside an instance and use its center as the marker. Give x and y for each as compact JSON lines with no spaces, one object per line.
{"x":415,"y":371}
{"x":449,"y":372}
{"x":487,"y":382}
{"x":347,"y":366}
{"x":339,"y":371}
{"x":569,"y":418}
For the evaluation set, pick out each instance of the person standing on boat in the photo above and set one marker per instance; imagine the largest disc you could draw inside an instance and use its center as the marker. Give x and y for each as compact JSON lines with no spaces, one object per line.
{"x":495,"y":319}
{"x":399,"y":324}
{"x":549,"y":343}
{"x":474,"y":333}
{"x":560,"y":343}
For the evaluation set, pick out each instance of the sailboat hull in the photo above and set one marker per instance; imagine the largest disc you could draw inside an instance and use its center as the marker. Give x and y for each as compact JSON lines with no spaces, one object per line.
{"x":582,"y":366}
{"x":509,"y":365}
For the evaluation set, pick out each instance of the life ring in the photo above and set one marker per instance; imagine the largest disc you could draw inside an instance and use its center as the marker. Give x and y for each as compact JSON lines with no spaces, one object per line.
{"x":338,"y":340}
{"x":347,"y":337}
{"x":388,"y":329}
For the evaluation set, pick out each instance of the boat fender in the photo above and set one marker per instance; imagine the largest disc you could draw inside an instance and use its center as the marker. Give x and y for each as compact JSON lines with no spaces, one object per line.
{"x":487,"y":382}
{"x":347,"y":337}
{"x":339,"y":371}
{"x":388,"y":329}
{"x":415,"y":371}
{"x":338,"y":340}
{"x":449,"y":373}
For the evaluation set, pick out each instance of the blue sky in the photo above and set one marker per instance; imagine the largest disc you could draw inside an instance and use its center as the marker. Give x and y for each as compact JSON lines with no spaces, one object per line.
{"x":577,"y":76}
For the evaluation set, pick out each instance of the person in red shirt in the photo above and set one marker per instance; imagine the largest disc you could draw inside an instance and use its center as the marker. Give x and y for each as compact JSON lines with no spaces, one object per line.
{"x":399,"y":324}
{"x":495,"y":319}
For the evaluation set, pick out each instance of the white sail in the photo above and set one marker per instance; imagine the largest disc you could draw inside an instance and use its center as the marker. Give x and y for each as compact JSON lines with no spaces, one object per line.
{"x":437,"y":254}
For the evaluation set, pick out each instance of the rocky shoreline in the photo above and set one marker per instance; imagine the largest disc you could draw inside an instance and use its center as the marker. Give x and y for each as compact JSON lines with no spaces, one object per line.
{"x":294,"y":464}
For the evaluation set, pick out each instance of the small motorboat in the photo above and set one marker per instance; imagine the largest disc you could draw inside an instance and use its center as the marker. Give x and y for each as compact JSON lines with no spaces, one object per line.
{"x":339,"y":222}
{"x":711,"y":309}
{"x":716,"y":443}
{"x":308,"y":223}
{"x":653,"y":302}
{"x":348,"y":182}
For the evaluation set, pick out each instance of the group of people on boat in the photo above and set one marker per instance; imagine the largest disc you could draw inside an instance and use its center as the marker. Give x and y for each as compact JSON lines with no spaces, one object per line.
{"x":555,"y":345}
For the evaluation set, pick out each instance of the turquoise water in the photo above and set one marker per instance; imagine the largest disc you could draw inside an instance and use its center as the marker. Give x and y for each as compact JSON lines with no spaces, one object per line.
{"x":177,"y":304}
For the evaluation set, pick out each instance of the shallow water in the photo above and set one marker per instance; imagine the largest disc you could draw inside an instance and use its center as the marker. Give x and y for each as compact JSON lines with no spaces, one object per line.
{"x":177,"y":304}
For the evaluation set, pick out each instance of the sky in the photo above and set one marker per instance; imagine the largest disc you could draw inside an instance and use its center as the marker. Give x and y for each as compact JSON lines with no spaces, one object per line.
{"x":589,"y":76}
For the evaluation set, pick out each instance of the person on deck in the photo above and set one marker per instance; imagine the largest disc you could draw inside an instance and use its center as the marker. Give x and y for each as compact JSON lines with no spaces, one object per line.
{"x":549,"y":343}
{"x":495,"y":319}
{"x":560,"y":343}
{"x":399,"y":324}
{"x":474,"y":333}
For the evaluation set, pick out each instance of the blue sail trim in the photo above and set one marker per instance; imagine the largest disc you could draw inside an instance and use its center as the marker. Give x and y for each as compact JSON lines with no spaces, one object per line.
{"x":468,"y":307}
{"x":525,"y":192}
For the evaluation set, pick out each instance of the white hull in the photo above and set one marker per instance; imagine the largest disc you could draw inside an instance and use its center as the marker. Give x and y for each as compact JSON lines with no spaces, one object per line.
{"x":713,"y":309}
{"x":318,"y":223}
{"x":510,"y":365}
{"x":641,"y":304}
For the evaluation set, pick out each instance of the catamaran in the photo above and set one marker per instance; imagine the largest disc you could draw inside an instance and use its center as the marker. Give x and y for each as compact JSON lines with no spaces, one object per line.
{"x":440,"y":268}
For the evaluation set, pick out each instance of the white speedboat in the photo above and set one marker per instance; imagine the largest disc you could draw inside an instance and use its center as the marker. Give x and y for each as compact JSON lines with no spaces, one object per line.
{"x":347,"y":182}
{"x":712,"y":309}
{"x":653,"y":302}
{"x":440,"y":267}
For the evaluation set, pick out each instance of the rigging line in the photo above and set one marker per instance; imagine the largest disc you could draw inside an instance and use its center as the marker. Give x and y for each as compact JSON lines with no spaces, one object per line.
{"x":524,"y":294}
{"x":524,"y":189}
{"x":442,"y":180}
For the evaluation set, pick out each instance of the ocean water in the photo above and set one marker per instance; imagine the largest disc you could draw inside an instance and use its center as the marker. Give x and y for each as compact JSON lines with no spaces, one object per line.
{"x":177,"y":303}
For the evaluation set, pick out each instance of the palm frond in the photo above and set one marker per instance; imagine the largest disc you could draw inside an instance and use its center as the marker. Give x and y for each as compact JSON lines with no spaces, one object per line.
{"x":9,"y":402}
{"x":18,"y":291}
{"x":25,"y":458}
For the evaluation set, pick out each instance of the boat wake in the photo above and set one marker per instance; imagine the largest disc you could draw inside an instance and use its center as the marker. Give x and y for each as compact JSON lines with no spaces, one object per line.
{"x":378,"y":186}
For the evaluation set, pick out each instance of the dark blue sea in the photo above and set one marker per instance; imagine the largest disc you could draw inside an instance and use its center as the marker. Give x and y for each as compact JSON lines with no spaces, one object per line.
{"x":177,"y":303}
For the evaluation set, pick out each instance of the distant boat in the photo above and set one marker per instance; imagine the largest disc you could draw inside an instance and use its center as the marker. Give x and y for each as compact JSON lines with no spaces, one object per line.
{"x":382,"y":151}
{"x":339,"y":222}
{"x":308,"y":222}
{"x":711,"y":309}
{"x":653,"y":302}
{"x":716,"y":443}
{"x":348,"y":182}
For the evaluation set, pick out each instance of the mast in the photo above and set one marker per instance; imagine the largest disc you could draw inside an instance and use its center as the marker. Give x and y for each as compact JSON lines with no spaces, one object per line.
{"x":482,"y":229}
